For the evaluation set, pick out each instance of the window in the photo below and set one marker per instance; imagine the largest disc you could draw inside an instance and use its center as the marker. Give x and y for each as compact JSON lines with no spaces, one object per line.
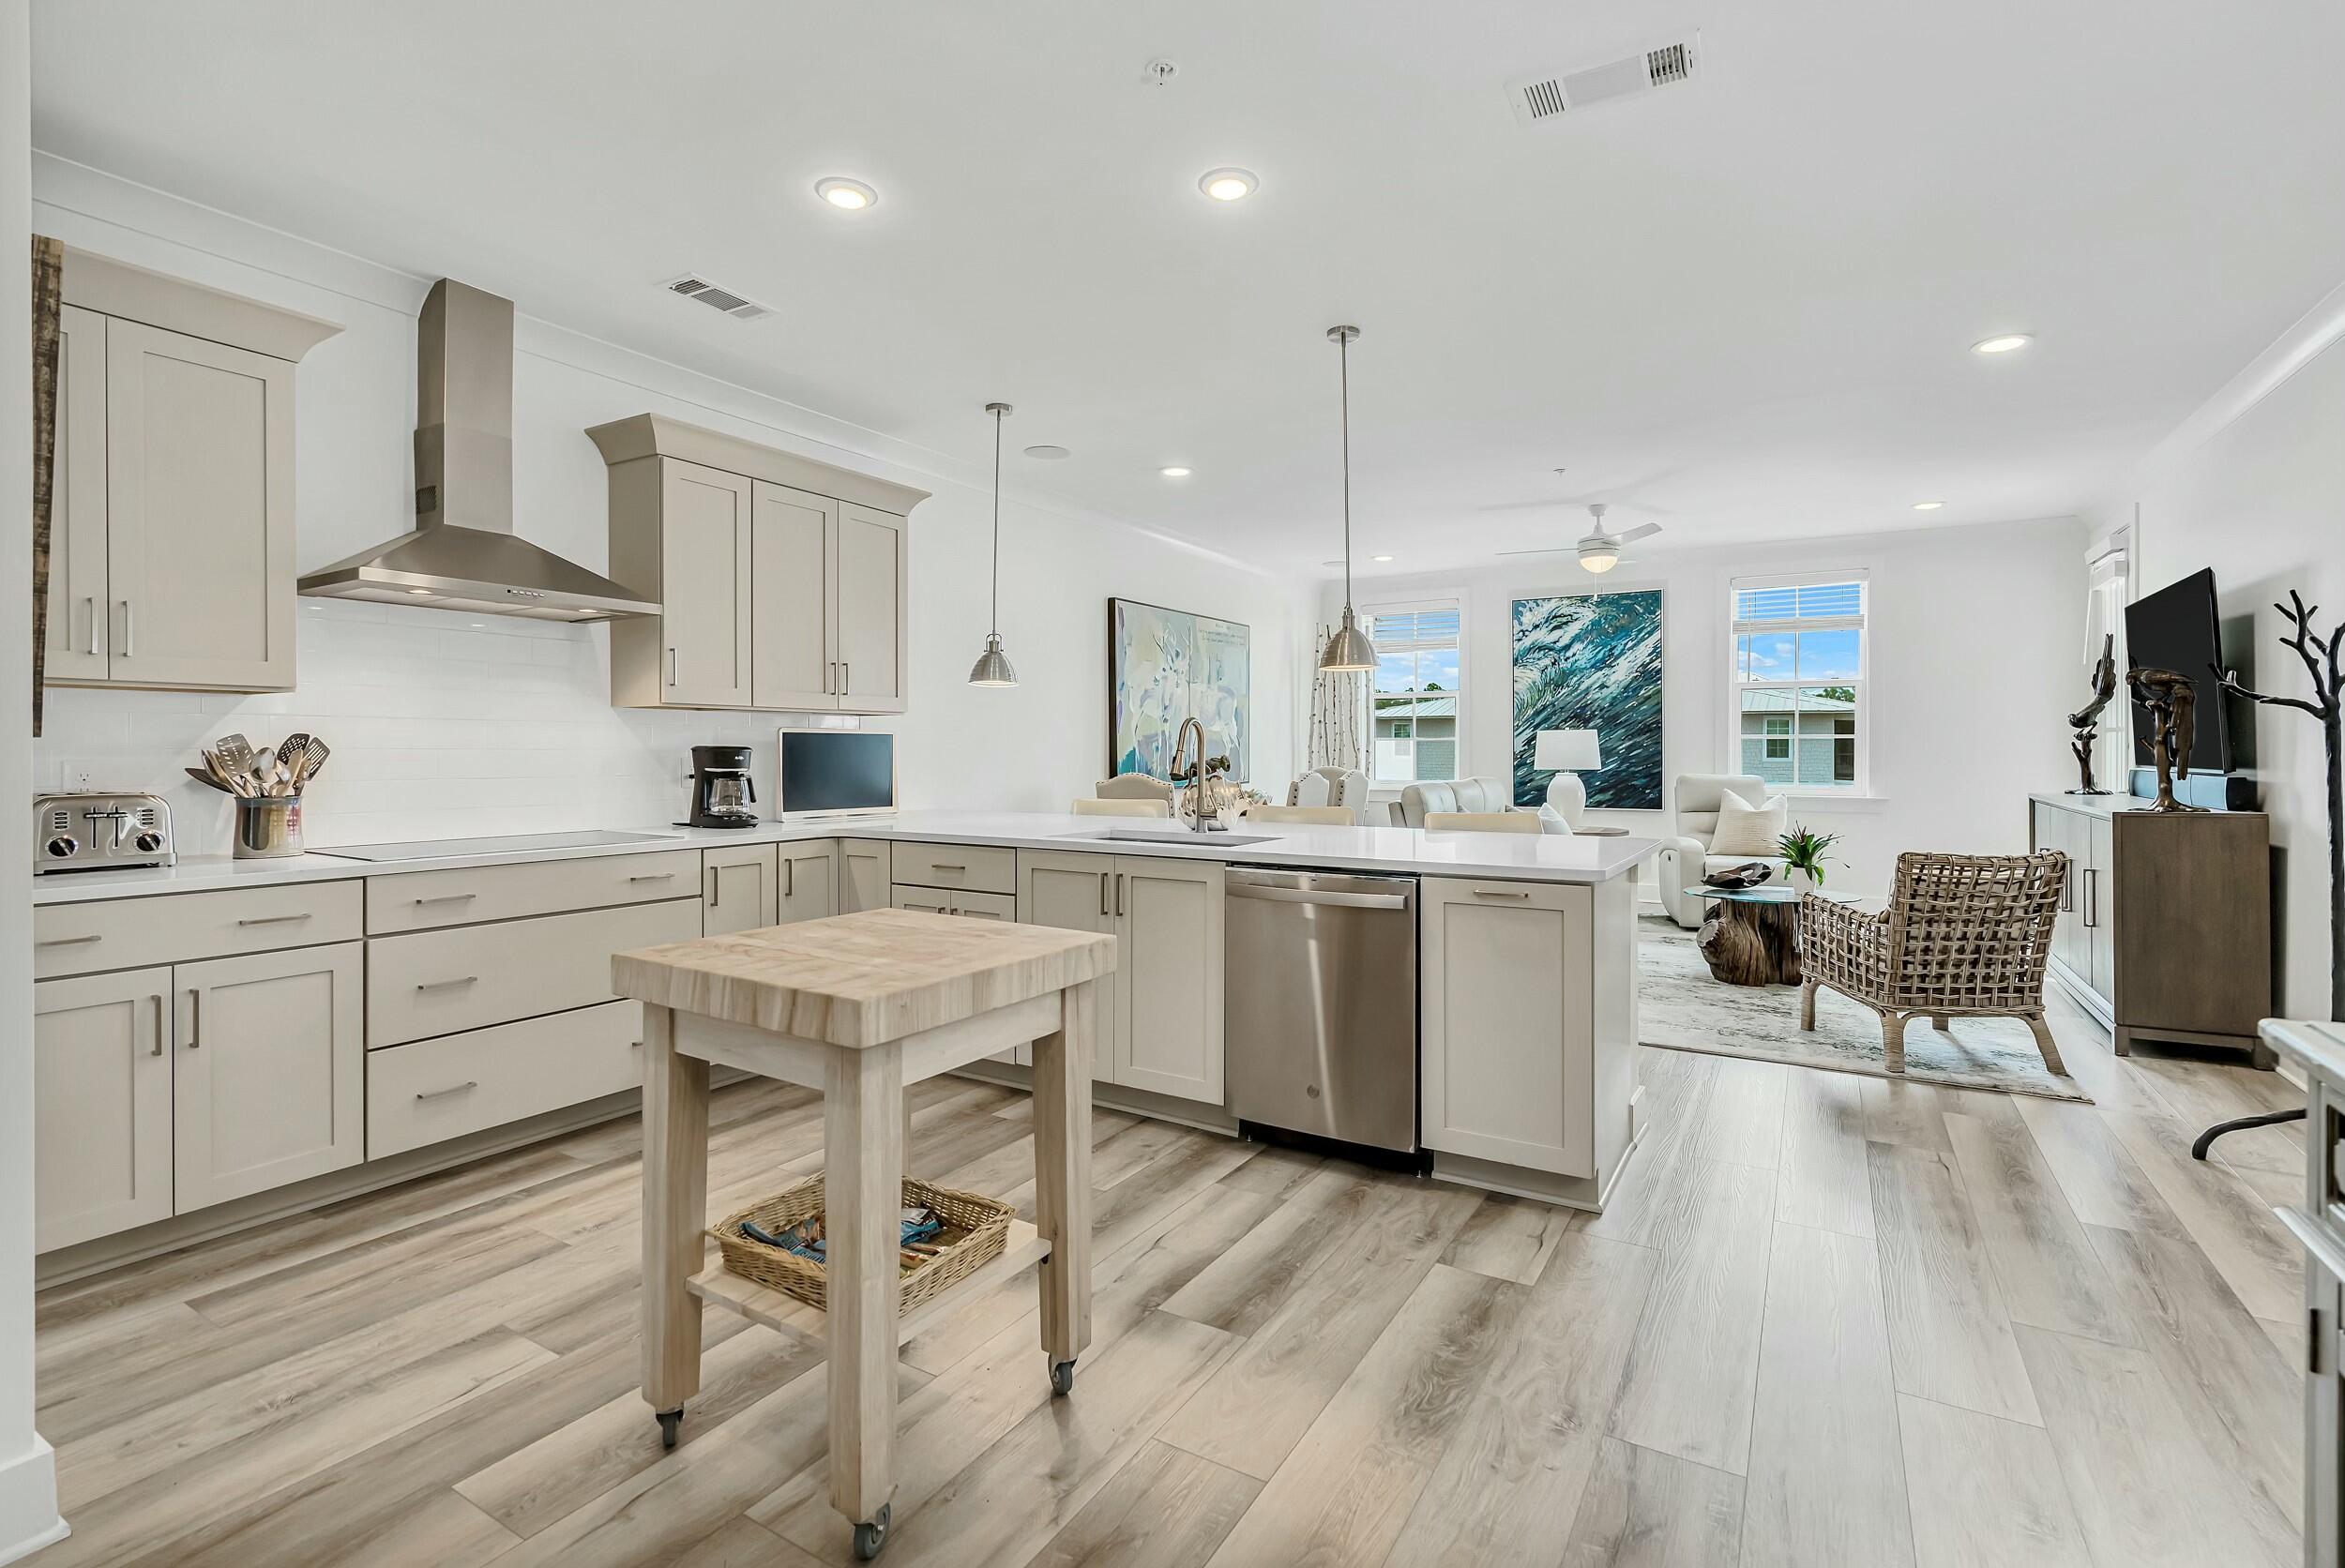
{"x":1798,"y":680}
{"x":1418,"y":700}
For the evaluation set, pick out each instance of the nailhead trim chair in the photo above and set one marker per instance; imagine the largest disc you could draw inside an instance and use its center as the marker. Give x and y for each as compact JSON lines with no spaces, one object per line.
{"x":1964,"y":935}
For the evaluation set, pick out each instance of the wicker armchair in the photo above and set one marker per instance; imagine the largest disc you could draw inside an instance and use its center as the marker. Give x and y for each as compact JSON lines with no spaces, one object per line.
{"x":1964,"y":935}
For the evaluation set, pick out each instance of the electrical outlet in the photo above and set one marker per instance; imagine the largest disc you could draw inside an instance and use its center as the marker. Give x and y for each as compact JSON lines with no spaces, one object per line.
{"x":75,"y":776}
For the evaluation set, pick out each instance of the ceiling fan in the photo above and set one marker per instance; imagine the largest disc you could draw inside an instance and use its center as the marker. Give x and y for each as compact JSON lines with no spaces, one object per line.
{"x":1600,"y":551}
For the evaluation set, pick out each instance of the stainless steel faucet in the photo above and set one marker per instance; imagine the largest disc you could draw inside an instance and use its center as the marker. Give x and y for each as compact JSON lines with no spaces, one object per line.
{"x":1199,"y":775}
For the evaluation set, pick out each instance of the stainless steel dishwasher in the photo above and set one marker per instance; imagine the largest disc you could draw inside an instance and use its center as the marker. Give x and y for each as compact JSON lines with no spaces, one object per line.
{"x":1319,"y":980}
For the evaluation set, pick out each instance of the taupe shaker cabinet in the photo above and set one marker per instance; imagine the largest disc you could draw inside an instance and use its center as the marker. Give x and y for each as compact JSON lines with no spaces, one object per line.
{"x":172,"y":546}
{"x":781,"y":581}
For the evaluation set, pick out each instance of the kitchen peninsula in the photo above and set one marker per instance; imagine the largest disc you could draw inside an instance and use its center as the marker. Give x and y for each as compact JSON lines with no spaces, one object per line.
{"x":453,"y":1001}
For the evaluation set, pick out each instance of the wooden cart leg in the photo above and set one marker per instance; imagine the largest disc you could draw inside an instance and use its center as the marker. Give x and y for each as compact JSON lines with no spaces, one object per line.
{"x":863,"y":1162}
{"x":1062,"y":1176}
{"x":675,"y":1209}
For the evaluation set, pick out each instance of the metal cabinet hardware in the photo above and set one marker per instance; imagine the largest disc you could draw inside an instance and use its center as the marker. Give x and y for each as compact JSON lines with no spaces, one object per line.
{"x":716,"y":886}
{"x":451,"y":1089}
{"x":653,"y":876}
{"x":789,"y":878}
{"x":1522,"y":893}
{"x":70,"y":942}
{"x":92,"y":606}
{"x":272,"y":919}
{"x":126,"y":628}
{"x":1103,"y":892}
{"x":158,"y":1025}
{"x":443,"y":985}
{"x":447,"y":898}
{"x":195,"y":1020}
{"x":672,"y":669}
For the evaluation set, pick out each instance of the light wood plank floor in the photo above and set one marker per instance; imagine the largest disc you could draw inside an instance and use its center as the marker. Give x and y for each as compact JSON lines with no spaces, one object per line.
{"x":1830,"y":1319}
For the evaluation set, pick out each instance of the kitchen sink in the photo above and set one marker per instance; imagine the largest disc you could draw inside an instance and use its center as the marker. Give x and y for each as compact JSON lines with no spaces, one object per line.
{"x":1175,"y":837}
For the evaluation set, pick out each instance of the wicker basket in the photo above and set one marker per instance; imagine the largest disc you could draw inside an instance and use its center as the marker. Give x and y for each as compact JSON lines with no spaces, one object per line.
{"x":977,"y":1229}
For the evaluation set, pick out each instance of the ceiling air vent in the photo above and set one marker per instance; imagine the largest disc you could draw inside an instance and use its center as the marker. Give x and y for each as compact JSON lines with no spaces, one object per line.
{"x":739,"y":307}
{"x":1545,"y":99}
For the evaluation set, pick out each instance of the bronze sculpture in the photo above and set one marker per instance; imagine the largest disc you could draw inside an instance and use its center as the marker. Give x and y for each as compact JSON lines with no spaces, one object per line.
{"x":2086,"y":721}
{"x":2173,"y":701}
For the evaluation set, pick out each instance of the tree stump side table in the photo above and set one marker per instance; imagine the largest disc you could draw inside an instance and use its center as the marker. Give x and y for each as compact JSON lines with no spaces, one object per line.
{"x":1750,"y":936}
{"x":859,"y":1006}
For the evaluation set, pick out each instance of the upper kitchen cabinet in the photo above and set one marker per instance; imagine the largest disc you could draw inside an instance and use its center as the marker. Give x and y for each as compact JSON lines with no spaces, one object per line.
{"x":782,"y":581}
{"x":172,"y":536}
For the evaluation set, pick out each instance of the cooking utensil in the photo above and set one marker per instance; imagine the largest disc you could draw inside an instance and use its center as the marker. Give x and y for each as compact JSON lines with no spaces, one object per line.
{"x":209,"y":781}
{"x":235,"y":752}
{"x":314,"y":755}
{"x":289,"y":750}
{"x":236,"y":783}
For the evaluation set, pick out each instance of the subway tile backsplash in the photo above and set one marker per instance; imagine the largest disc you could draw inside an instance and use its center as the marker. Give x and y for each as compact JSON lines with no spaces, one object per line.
{"x":444,"y":724}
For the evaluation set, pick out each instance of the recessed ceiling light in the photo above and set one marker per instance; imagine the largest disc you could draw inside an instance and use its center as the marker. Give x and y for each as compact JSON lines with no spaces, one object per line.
{"x":854,"y":195}
{"x":1228,"y":185}
{"x":1380,"y":558}
{"x":1927,"y":506}
{"x":2003,"y":344}
{"x":1174,"y":472}
{"x":1047,"y":453}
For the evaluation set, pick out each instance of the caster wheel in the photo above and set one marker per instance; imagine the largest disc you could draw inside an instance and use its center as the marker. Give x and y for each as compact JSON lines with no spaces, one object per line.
{"x":870,"y":1538}
{"x":669,"y":1422}
{"x":1062,"y":1377}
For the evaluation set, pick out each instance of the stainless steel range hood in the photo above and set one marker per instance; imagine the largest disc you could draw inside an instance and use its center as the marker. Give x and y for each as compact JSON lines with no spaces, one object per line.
{"x":464,"y":553}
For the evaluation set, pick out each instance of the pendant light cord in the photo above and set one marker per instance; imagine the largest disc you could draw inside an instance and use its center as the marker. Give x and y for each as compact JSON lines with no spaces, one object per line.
{"x":1343,"y":361}
{"x":995,"y":630}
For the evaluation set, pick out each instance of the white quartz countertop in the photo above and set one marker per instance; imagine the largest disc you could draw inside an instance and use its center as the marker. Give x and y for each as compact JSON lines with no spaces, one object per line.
{"x":1399,"y":851}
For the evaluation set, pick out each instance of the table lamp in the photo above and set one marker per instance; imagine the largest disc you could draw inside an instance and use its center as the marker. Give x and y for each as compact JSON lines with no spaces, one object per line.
{"x":1568,"y":753}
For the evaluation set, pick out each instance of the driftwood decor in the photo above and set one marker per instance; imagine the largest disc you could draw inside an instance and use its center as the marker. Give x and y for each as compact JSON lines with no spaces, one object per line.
{"x":2321,"y":656}
{"x":2086,"y":721}
{"x":2172,"y":703}
{"x":48,"y":301}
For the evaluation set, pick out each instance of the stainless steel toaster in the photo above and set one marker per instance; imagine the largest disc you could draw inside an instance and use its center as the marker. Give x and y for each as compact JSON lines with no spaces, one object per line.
{"x":91,"y":831}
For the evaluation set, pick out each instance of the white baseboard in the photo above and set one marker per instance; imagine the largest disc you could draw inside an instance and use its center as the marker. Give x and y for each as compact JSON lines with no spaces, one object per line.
{"x":28,"y":1503}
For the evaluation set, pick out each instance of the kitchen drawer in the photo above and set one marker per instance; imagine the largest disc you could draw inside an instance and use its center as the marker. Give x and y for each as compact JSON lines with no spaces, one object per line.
{"x":175,"y":927}
{"x":435,"y":1090}
{"x":970,"y":867}
{"x":423,"y":901}
{"x":430,"y":983}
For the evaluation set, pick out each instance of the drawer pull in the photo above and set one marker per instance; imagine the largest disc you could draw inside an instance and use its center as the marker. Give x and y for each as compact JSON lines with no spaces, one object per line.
{"x":447,"y":898}
{"x":653,"y":876}
{"x":70,"y":942}
{"x":452,"y":1089}
{"x":443,"y":985}
{"x":271,"y":919}
{"x":1502,"y":893}
{"x":940,"y":866}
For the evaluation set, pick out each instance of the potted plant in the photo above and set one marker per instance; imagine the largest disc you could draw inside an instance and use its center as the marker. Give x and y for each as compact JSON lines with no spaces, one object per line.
{"x":1802,"y":850}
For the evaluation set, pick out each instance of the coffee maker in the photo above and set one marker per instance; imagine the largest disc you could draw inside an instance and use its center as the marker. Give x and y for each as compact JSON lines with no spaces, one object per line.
{"x":721,"y":791}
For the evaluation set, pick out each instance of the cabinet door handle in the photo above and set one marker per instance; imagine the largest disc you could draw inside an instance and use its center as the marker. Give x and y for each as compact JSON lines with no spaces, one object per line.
{"x":653,"y":876}
{"x":195,"y":1020}
{"x":2092,"y":895}
{"x":92,"y":605}
{"x":846,"y":677}
{"x":447,"y":898}
{"x":158,"y":1025}
{"x":1103,"y":892}
{"x":272,"y":919}
{"x":715,"y":887}
{"x":941,"y":866}
{"x":444,"y":985}
{"x":451,"y":1089}
{"x":670,"y":668}
{"x":1119,"y":894}
{"x":126,"y":628}
{"x":789,"y":878}
{"x":1522,"y":892}
{"x":70,"y":942}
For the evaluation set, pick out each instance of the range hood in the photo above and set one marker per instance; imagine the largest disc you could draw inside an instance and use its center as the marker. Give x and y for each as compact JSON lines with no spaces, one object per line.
{"x":464,"y":553}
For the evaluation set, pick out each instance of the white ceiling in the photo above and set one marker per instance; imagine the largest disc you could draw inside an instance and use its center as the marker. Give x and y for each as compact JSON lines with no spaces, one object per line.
{"x":1746,"y":300}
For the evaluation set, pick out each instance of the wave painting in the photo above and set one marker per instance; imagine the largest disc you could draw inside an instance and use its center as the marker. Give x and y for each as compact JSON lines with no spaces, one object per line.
{"x":1591,"y":661}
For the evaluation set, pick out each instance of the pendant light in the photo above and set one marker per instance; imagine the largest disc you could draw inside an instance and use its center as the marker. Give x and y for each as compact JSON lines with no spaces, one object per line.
{"x":1349,"y":649}
{"x":992,"y":667}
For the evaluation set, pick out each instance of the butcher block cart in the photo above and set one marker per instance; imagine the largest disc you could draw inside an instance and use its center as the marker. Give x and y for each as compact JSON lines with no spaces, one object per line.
{"x":859,"y":1007}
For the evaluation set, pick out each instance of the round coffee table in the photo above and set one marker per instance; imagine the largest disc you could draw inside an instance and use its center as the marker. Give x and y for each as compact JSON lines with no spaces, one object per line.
{"x":1751,"y":937}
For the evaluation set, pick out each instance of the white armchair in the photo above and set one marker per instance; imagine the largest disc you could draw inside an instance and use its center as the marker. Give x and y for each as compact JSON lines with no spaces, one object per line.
{"x":1685,"y":855}
{"x":1464,"y":795}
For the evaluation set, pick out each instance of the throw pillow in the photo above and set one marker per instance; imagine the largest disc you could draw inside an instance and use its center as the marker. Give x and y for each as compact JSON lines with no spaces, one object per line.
{"x":1747,"y":829}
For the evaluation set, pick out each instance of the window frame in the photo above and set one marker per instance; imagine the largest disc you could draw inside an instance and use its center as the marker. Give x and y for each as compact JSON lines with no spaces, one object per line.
{"x":1861,"y":623}
{"x":1417,"y":605}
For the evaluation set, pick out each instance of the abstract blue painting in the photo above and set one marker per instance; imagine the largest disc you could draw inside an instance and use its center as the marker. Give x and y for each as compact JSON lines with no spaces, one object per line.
{"x":1591,"y":661}
{"x":1168,"y":665}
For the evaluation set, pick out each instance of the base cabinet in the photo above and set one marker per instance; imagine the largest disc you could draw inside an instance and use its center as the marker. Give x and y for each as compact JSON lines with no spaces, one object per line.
{"x":740,"y":889}
{"x":1508,"y":1020}
{"x":270,"y":1081}
{"x":1161,"y":1011}
{"x":102,"y":1081}
{"x":864,"y":876}
{"x":810,"y":883}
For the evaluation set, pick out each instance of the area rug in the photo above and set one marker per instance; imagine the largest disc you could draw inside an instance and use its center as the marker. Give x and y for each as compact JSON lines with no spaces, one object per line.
{"x":1681,"y":1007}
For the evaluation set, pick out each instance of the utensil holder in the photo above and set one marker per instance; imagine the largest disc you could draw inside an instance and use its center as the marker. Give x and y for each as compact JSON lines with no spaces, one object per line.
{"x":267,"y":826}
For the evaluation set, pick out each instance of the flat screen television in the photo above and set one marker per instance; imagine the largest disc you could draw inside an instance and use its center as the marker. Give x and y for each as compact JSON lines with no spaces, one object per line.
{"x":2175,"y":629}
{"x":828,"y":772}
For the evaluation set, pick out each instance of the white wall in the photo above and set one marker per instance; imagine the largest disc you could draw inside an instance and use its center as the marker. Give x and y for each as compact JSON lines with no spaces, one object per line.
{"x":447,"y":724}
{"x":2253,"y":485}
{"x":28,"y":1489}
{"x":1974,"y":660}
